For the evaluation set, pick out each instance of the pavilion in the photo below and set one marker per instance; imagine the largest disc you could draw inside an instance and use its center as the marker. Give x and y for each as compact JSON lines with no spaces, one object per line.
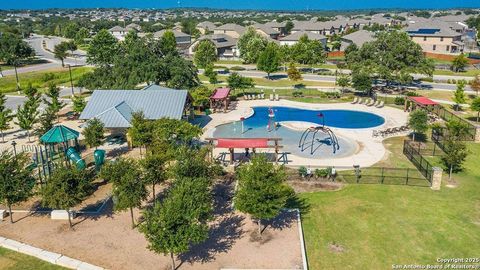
{"x":422,"y":102}
{"x":246,"y":143}
{"x":220,"y":98}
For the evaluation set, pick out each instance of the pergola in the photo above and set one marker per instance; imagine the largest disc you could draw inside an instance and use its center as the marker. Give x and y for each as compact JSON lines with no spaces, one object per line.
{"x":422,"y":102}
{"x":246,"y":143}
{"x":220,"y":98}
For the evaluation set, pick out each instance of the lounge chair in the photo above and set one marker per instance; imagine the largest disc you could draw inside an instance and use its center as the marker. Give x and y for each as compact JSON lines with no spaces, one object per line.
{"x":277,"y":98}
{"x":370,"y":104}
{"x":271,"y":97}
{"x":367,"y":101}
{"x":360,"y":101}
{"x":382,"y":103}
{"x":262,"y":96}
{"x":355,"y":100}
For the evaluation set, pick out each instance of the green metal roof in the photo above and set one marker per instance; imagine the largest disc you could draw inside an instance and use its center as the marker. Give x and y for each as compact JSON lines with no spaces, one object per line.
{"x":59,"y":134}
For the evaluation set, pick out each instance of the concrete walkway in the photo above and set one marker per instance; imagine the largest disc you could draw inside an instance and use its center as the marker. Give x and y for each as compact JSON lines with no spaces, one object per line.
{"x":45,"y":255}
{"x":369,"y":151}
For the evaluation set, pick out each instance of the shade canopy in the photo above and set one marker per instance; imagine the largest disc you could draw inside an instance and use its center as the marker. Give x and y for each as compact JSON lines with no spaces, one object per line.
{"x":424,"y":101}
{"x":59,"y":134}
{"x":221,"y":93}
{"x":242,"y":143}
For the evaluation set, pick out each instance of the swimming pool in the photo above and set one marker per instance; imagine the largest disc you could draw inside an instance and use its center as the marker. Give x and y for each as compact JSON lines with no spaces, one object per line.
{"x":331,"y":118}
{"x":257,"y":126}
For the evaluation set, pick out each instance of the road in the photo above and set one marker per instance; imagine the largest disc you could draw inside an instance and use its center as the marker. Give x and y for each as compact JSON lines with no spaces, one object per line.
{"x":14,"y":101}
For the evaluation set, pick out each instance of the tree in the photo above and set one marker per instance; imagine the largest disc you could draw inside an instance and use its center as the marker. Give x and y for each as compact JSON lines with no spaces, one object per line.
{"x":308,"y":52}
{"x":180,"y":221}
{"x":205,"y":53}
{"x":103,"y":49}
{"x":343,"y":81}
{"x":285,"y":55}
{"x":293,"y":73}
{"x":79,"y":104}
{"x":261,"y":192}
{"x":201,"y":96}
{"x":53,"y":99}
{"x":237,"y":81}
{"x":154,"y":169}
{"x":27,"y":115}
{"x":191,"y":163}
{"x":393,"y":56}
{"x":61,"y":50}
{"x":269,"y":59}
{"x":6,"y":116}
{"x":141,"y":130}
{"x":66,"y":187}
{"x":475,"y":84}
{"x":81,"y":35}
{"x":475,"y":107}
{"x":418,"y":121}
{"x":16,"y":180}
{"x":362,"y":81}
{"x":94,"y":133}
{"x":168,"y":44}
{"x":455,"y":154}
{"x":128,"y":184}
{"x":211,"y":74}
{"x":459,"y":94}
{"x":251,"y":44}
{"x":46,"y":122}
{"x":459,"y":63}
{"x":13,"y":50}
{"x":182,"y":74}
{"x":288,"y":27}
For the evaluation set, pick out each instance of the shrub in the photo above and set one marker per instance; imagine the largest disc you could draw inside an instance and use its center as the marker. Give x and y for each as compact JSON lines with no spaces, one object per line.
{"x":302,"y":171}
{"x":332,"y":94}
{"x":297,"y":93}
{"x":48,"y":77}
{"x":325,"y":73}
{"x":237,"y":68}
{"x":321,"y":173}
{"x":428,"y":79}
{"x":399,"y":100}
{"x":411,"y":94}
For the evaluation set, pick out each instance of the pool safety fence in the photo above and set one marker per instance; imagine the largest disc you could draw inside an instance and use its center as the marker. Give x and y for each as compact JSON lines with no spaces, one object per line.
{"x":442,"y":112}
{"x":412,"y":152}
{"x":367,"y":175}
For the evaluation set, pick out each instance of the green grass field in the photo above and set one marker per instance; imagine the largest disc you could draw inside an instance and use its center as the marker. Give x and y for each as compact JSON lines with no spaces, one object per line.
{"x":376,"y":226}
{"x":470,"y":73}
{"x":274,"y":83}
{"x":42,"y":79}
{"x":10,"y":260}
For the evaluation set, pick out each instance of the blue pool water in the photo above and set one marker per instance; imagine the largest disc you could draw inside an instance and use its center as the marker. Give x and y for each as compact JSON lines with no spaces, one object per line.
{"x":256,"y":126}
{"x":332,"y":118}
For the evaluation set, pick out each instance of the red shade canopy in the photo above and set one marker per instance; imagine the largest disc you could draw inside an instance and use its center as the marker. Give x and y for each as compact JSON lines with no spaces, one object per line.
{"x":242,"y":143}
{"x":423,"y":101}
{"x":221,"y":93}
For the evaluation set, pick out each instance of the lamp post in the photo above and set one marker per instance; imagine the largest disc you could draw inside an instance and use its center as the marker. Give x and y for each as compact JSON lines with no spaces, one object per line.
{"x":71,"y":80}
{"x":14,"y":144}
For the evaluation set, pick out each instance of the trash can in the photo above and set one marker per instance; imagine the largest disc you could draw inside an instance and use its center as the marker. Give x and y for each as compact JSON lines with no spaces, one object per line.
{"x":99,"y":156}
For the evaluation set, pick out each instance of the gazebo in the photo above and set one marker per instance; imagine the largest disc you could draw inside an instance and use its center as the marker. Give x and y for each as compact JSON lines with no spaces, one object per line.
{"x":59,"y":134}
{"x":246,"y":143}
{"x":220,"y":98}
{"x":422,"y":102}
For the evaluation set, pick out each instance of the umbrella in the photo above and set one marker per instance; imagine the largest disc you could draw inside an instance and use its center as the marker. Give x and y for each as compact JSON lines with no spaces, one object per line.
{"x":59,"y":134}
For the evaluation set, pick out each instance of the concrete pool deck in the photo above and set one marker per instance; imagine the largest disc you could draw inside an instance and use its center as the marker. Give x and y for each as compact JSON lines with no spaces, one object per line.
{"x":370,"y":150}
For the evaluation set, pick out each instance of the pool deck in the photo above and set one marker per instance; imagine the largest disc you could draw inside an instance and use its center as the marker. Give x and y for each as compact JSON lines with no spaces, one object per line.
{"x":370,"y":150}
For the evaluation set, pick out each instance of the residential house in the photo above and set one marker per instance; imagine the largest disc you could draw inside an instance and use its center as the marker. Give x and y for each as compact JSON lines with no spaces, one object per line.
{"x":226,"y":46}
{"x":183,"y":40}
{"x":230,"y":29}
{"x":358,"y":38}
{"x":435,"y":37}
{"x":206,"y":27}
{"x":293,"y":38}
{"x":118,"y":32}
{"x":266,"y":31}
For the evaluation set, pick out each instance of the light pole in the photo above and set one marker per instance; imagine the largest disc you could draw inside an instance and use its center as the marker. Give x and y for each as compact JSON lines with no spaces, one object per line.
{"x":71,"y":80}
{"x":14,"y":144}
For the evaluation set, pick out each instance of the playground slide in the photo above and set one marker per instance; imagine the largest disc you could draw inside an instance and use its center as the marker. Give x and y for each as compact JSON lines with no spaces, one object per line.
{"x":75,"y":158}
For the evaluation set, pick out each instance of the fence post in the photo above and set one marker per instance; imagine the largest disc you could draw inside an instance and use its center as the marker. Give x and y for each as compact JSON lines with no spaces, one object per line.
{"x":436,"y":183}
{"x":383,"y":174}
{"x":408,"y":169}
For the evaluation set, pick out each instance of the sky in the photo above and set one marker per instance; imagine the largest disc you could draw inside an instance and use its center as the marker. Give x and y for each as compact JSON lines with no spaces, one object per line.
{"x":245,"y":4}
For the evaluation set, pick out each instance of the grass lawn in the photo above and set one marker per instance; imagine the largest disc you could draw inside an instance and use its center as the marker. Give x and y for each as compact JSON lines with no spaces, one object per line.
{"x":10,"y":260}
{"x":273,"y":83}
{"x":41,"y":79}
{"x":471,"y":72}
{"x":381,"y":225}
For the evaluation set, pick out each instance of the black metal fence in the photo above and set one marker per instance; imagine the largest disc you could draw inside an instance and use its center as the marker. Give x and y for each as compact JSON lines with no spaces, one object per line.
{"x":447,"y":116}
{"x":415,"y":156}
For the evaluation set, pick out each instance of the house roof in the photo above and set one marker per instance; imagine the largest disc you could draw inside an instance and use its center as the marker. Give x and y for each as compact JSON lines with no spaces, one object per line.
{"x":176,"y":33}
{"x":431,"y":28}
{"x":232,"y":27}
{"x":266,"y":29}
{"x":115,"y":107}
{"x":359,"y":37}
{"x":117,"y":29}
{"x":220,"y":40}
{"x":207,"y":24}
{"x":297,"y":35}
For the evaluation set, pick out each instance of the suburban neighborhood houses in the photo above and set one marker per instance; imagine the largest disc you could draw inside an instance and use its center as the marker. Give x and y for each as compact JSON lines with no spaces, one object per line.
{"x":204,"y":138}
